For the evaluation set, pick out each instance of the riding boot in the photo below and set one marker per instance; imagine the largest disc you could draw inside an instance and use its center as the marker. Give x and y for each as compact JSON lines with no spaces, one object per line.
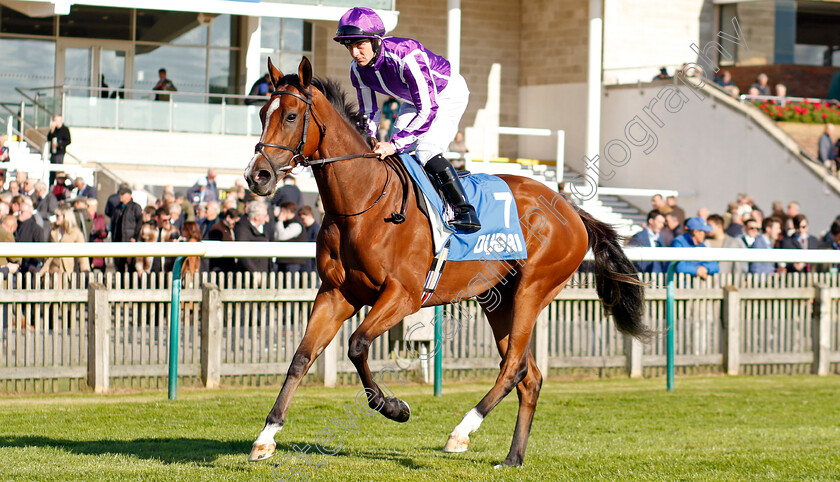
{"x":466,"y":219}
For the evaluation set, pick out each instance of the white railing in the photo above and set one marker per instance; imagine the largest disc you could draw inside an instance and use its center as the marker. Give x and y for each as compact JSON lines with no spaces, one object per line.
{"x":208,"y":249}
{"x":244,"y":249}
{"x":560,"y":159}
{"x":526,"y":131}
{"x":634,"y":192}
{"x":786,"y":100}
{"x":734,"y":254}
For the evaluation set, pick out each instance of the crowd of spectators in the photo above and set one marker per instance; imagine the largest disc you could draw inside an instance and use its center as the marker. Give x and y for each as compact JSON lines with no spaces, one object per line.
{"x":760,"y":87}
{"x":68,"y":212}
{"x":742,"y":225}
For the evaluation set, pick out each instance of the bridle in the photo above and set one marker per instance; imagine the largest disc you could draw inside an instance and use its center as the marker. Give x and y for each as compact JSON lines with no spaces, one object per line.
{"x":299,"y":159}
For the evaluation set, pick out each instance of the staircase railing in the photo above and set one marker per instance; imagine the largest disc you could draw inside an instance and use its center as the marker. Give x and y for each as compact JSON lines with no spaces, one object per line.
{"x":9,"y":127}
{"x":40,"y":147}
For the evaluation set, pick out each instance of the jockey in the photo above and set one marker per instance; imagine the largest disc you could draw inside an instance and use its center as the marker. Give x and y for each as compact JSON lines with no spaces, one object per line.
{"x":433,"y":100}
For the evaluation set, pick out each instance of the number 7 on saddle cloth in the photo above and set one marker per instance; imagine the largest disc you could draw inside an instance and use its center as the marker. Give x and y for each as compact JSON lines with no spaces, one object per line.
{"x":500,"y":236}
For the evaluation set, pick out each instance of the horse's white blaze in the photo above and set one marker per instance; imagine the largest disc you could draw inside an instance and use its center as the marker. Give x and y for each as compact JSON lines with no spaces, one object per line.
{"x":266,"y":437}
{"x":275,"y":104}
{"x":469,"y":424}
{"x":250,"y":166}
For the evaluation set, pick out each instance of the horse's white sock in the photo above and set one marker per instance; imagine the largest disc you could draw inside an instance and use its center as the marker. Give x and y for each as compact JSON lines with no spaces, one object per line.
{"x":469,"y":424}
{"x":267,"y":434}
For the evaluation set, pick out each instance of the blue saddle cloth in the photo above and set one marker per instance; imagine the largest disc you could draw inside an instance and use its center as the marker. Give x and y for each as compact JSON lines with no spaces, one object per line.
{"x":500,"y":236}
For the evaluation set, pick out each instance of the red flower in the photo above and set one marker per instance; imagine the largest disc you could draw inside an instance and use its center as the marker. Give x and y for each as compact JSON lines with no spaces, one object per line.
{"x":817,"y":105}
{"x":824,"y":116}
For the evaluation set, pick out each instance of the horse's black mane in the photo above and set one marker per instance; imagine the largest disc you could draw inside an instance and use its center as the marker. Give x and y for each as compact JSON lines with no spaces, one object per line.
{"x":334,"y":93}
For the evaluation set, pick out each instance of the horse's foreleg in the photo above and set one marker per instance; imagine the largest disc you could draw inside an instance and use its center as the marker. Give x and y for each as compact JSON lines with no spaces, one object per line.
{"x":393,"y":305}
{"x":330,"y":310}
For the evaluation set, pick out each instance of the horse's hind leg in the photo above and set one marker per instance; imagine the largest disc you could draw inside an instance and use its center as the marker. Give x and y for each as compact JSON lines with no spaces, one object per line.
{"x":499,"y":319}
{"x":510,"y":327}
{"x":528,"y":391}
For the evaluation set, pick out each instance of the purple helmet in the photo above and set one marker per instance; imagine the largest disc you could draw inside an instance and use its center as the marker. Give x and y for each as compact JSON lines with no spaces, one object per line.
{"x":357,"y":24}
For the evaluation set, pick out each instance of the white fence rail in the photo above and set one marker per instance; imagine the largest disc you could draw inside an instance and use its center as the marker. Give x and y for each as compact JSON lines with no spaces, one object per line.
{"x":114,"y":328}
{"x":228,"y":249}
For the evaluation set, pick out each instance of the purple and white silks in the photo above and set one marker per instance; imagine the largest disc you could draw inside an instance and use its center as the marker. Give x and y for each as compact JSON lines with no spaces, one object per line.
{"x":417,"y":78}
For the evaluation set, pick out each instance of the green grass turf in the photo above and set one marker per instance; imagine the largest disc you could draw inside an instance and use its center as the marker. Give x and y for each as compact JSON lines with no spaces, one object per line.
{"x":715,"y":428}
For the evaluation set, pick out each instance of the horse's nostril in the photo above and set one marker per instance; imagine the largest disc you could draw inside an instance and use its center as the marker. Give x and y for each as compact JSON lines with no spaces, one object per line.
{"x":263,"y":176}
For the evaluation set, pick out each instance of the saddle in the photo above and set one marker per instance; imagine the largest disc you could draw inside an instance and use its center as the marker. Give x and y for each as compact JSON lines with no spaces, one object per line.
{"x":500,"y":235}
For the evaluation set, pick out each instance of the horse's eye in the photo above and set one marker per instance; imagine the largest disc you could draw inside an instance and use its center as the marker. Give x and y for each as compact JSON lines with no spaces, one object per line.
{"x":291,"y":117}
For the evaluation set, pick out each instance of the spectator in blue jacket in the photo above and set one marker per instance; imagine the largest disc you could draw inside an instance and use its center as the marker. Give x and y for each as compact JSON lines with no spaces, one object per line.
{"x":771,"y":230}
{"x":694,"y":238}
{"x":649,"y":237}
{"x":832,"y":243}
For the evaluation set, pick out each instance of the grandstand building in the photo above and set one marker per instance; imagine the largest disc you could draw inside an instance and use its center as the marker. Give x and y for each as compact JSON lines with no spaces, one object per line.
{"x":530,"y":64}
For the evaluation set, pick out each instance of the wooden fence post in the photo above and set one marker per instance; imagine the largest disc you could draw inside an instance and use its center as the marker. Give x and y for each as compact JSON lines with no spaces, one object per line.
{"x":731,"y":330}
{"x":211,"y":335}
{"x":822,"y":330}
{"x":99,"y":321}
{"x":539,"y":342}
{"x":328,"y":363}
{"x":633,"y":350}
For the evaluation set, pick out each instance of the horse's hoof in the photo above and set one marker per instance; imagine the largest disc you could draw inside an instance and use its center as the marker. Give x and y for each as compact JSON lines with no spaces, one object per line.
{"x":261,"y":452}
{"x":405,"y":412}
{"x":456,"y":445}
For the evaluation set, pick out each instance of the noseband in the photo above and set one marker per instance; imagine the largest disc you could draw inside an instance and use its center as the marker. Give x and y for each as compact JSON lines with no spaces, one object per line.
{"x":298,"y":158}
{"x":297,"y":152}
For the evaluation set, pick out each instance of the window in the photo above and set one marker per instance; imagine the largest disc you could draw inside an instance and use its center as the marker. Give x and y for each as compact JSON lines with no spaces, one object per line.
{"x":285,"y":40}
{"x":198,"y":51}
{"x":727,"y":13}
{"x":26,"y":63}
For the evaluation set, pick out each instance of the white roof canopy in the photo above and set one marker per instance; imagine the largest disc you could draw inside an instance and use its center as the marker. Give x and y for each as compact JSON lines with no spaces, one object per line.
{"x":46,"y":8}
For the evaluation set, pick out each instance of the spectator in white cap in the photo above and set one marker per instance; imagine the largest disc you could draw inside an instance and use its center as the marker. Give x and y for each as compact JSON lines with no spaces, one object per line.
{"x":697,"y":228}
{"x":198,"y":193}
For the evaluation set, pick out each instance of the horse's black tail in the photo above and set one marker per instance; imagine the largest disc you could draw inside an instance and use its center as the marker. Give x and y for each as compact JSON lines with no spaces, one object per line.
{"x":618,"y":286}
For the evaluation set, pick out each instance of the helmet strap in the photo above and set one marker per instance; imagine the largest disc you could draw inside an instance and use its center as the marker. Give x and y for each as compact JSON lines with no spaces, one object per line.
{"x":376,"y":44}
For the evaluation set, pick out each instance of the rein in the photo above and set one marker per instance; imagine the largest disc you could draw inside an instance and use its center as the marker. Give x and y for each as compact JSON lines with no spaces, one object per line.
{"x":299,"y":159}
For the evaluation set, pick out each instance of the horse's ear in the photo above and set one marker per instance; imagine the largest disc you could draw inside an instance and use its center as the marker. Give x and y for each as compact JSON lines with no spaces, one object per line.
{"x":274,"y":74}
{"x":305,"y":72}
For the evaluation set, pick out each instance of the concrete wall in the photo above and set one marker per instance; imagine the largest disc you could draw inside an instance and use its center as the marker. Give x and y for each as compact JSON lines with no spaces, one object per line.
{"x":558,"y":106}
{"x":710,"y":152}
{"x":554,"y":42}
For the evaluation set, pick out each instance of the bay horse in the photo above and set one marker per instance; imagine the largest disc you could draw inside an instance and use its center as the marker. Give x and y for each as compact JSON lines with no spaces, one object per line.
{"x":364,"y":258}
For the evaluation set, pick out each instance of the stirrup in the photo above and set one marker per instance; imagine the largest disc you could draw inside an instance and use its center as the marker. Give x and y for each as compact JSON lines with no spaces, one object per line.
{"x":466,"y":219}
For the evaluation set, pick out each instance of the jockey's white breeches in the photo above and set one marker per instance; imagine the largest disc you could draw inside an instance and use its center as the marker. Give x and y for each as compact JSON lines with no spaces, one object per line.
{"x":452,"y":102}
